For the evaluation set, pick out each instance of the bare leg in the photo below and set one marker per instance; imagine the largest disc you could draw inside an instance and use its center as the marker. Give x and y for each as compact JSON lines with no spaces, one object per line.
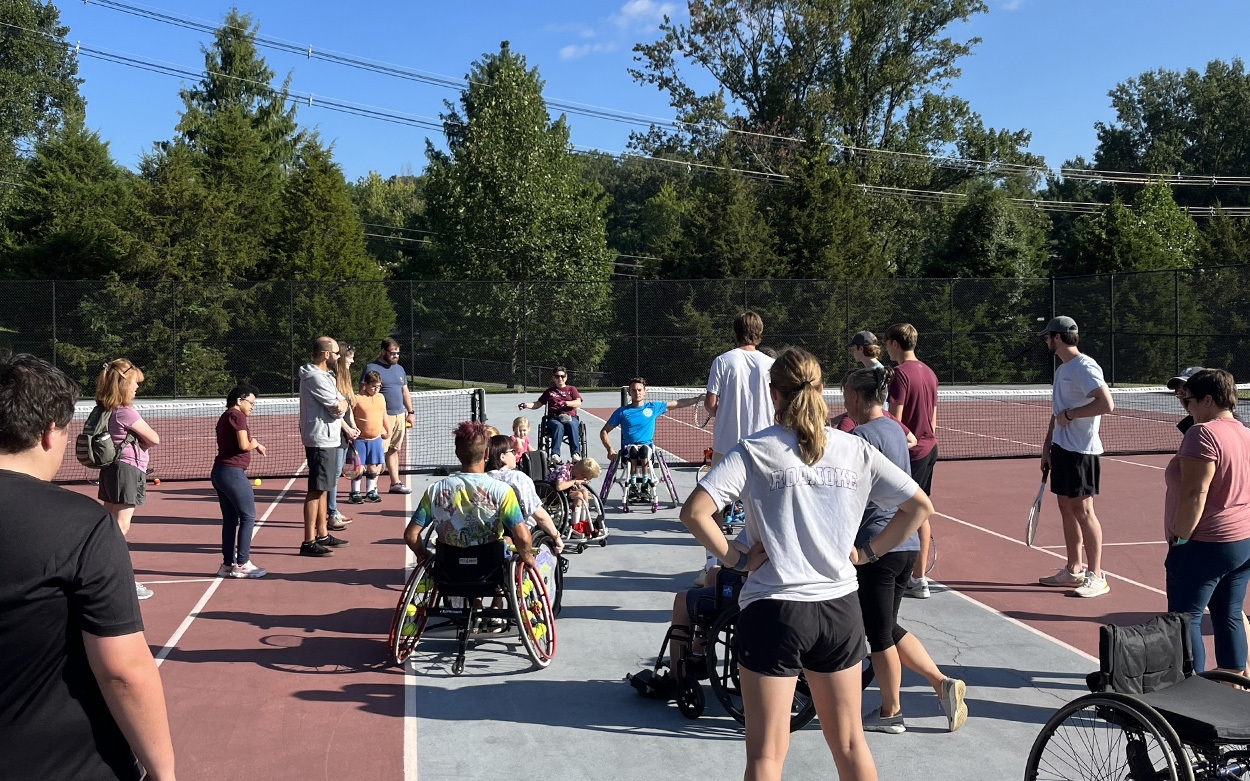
{"x":885,"y":665}
{"x":322,"y":519}
{"x":392,"y":465}
{"x":312,"y":500}
{"x":917,"y":570}
{"x":1072,"y":539}
{"x":1091,"y":532}
{"x":913,"y":656}
{"x":837,"y":699}
{"x":122,"y":513}
{"x":766,"y":702}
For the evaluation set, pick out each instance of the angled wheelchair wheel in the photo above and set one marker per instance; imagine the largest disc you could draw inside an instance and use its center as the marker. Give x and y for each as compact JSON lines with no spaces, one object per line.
{"x":1107,"y":736}
{"x":556,"y":505}
{"x":551,"y":567}
{"x":722,"y":668}
{"x":532,"y":614}
{"x":411,"y":614}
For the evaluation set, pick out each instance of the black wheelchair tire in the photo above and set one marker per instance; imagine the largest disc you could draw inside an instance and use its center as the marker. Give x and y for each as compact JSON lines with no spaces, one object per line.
{"x":1135,"y":721}
{"x":690,"y":698}
{"x":722,"y":670}
{"x":401,"y":647}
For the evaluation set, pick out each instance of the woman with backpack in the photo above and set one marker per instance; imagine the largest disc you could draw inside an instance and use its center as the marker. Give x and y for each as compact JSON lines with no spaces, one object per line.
{"x":123,"y":483}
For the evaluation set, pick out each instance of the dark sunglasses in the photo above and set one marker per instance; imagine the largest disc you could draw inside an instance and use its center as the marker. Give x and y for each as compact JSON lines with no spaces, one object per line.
{"x":393,"y":352}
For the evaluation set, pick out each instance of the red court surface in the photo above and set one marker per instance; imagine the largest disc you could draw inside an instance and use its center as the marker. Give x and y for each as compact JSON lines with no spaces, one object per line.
{"x":281,"y":677}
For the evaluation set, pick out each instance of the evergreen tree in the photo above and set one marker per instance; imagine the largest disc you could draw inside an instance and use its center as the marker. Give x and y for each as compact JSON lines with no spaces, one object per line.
{"x":397,"y":201}
{"x":991,"y":237}
{"x":1224,"y":241}
{"x":1154,"y":235}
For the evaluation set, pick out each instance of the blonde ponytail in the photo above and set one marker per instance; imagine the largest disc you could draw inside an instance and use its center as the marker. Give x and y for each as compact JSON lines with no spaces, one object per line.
{"x":796,"y":378}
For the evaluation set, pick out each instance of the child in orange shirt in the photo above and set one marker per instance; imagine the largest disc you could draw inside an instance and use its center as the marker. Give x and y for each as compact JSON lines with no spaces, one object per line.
{"x":369,"y":411}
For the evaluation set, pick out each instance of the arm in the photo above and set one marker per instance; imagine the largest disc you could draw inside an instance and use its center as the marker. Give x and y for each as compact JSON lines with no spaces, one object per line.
{"x":412,"y":416}
{"x":128,"y":679}
{"x":246,"y":444}
{"x":1050,"y":433}
{"x":690,"y":402}
{"x":606,"y":440}
{"x":933,"y":423}
{"x":1100,"y":404}
{"x":412,"y":538}
{"x":897,"y":410}
{"x":544,"y":522}
{"x":710,"y":400}
{"x":520,"y":534}
{"x":905,"y":522}
{"x":1196,"y":476}
{"x":911,"y":440}
{"x":324,"y":392}
{"x":147,"y":437}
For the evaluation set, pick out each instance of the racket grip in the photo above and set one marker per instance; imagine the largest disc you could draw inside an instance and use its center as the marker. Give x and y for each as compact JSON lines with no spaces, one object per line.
{"x":1045,"y":471}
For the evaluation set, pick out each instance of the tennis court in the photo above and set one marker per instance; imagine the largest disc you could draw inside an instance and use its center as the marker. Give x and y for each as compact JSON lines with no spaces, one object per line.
{"x":286,"y":676}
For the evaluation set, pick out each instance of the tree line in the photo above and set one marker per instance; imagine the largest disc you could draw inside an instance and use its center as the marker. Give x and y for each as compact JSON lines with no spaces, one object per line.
{"x":811,"y":157}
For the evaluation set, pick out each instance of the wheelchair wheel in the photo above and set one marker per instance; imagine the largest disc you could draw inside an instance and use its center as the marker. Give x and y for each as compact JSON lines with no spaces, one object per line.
{"x":722,"y":668}
{"x":690,"y":699}
{"x":420,"y":593}
{"x":1108,"y":735}
{"x":556,"y":505}
{"x":551,"y":568}
{"x":531,"y":611}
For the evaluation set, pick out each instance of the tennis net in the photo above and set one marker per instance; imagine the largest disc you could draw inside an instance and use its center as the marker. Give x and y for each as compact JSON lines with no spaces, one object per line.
{"x":973,"y":424}
{"x":189,"y":441}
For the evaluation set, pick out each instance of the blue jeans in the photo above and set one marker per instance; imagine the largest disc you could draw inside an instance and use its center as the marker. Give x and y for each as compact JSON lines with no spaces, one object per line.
{"x":238,"y":513}
{"x":1211,"y":574}
{"x":556,"y":430}
{"x":332,"y":496}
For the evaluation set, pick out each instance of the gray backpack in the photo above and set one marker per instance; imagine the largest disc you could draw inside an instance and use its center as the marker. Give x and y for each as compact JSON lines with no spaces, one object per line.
{"x":94,"y":446}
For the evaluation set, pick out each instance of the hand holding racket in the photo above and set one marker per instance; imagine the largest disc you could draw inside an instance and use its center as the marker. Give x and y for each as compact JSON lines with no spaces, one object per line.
{"x":1035,"y":512}
{"x":701,"y":417}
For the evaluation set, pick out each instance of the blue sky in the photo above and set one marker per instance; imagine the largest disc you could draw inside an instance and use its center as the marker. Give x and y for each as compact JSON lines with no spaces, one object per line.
{"x":1045,"y":65}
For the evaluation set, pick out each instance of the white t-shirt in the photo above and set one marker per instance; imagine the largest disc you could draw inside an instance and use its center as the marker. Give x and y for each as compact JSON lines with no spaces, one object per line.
{"x":1074,"y":381}
{"x":806,"y":516}
{"x":523,"y":485}
{"x":739,"y":378}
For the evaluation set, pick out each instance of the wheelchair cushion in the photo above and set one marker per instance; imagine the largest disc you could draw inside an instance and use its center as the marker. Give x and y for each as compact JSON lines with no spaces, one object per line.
{"x":472,"y":571}
{"x":1203,"y":711}
{"x":1144,"y":658}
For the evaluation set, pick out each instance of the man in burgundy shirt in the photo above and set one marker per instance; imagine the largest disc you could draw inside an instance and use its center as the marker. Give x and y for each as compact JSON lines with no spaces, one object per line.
{"x":913,"y":400}
{"x":562,"y":401}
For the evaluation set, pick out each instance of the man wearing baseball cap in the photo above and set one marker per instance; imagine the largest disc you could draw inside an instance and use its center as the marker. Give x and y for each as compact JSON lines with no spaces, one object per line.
{"x":1177,"y":386}
{"x":866,"y":350}
{"x":1079,"y":398}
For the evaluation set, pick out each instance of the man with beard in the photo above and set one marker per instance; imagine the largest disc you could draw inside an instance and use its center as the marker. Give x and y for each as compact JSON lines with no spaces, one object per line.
{"x":1079,"y":399}
{"x":399,"y":412}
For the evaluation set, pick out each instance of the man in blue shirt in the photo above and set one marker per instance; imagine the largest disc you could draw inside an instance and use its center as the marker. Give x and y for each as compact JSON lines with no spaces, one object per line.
{"x":637,"y":422}
{"x":399,"y":412}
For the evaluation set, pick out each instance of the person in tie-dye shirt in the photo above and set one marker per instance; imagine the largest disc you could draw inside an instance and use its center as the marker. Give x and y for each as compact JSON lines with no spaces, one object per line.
{"x":470,"y":507}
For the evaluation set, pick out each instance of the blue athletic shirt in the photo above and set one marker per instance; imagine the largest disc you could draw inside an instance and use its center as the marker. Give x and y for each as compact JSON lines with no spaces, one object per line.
{"x":638,"y":423}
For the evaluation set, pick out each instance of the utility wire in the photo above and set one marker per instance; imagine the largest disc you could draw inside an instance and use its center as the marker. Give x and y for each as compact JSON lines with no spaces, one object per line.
{"x":983,"y":167}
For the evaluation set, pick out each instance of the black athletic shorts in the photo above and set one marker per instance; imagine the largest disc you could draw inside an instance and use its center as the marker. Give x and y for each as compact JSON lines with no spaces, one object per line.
{"x":1073,"y":474}
{"x":881,"y":587}
{"x":781,"y":637}
{"x":637,"y":451}
{"x":321,"y":471}
{"x":922,"y":470}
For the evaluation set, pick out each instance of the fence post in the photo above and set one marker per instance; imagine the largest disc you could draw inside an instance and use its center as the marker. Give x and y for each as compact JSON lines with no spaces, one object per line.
{"x":1111,"y":289}
{"x":849,"y":333}
{"x":174,"y":338}
{"x":462,"y":372}
{"x":950,"y":324}
{"x":745,"y":286}
{"x":1176,"y":301}
{"x":525,"y":338}
{"x":54,"y":350}
{"x":637,"y":335}
{"x":291,"y":329}
{"x":1053,"y":303}
{"x":412,"y":325}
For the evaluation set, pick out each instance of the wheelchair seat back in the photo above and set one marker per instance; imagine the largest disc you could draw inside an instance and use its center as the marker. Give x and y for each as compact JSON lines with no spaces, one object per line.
{"x":1145,"y":658}
{"x":472,"y":571}
{"x":724,"y":598}
{"x":534,"y":464}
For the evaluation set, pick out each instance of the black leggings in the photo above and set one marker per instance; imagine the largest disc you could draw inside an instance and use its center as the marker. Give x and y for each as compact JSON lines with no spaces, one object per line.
{"x":881,"y":587}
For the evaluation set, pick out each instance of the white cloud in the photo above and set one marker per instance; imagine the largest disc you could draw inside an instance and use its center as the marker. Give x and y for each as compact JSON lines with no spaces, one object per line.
{"x":576,"y":51}
{"x":642,"y":14}
{"x":1011,"y":5}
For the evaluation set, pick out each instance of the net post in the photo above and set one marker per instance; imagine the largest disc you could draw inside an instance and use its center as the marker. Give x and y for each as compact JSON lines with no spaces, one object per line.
{"x":479,"y":405}
{"x":624,"y":395}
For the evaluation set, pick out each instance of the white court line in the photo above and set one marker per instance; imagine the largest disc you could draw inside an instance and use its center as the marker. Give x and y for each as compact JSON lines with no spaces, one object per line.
{"x":410,"y":671}
{"x":1105,"y":572}
{"x":1109,"y":544}
{"x":1134,"y":463}
{"x":1022,"y":625}
{"x":199,"y":606}
{"x":187,"y":580}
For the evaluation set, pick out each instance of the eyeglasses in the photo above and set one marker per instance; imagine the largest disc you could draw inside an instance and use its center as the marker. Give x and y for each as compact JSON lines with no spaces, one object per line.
{"x":393,"y":352}
{"x":510,"y":451}
{"x":559,"y":376}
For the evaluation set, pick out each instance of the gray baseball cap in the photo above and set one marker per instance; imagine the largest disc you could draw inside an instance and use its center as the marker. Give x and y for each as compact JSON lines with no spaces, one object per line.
{"x":1183,"y":377}
{"x":863,"y":338}
{"x":1059,"y":325}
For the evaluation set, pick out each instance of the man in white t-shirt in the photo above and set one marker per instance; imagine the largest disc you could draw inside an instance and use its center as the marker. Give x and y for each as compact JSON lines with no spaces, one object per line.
{"x":1080,"y":397}
{"x":737,"y":388}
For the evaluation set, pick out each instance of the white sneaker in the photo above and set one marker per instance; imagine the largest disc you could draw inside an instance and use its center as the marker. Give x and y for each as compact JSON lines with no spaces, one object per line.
{"x":892,"y":725}
{"x":1063,"y":579}
{"x":917,"y":588}
{"x":142,"y":591}
{"x":953,"y":706}
{"x":247,"y":570}
{"x":1093,"y":586}
{"x":400,"y":488}
{"x":577,"y":457}
{"x":224,"y":570}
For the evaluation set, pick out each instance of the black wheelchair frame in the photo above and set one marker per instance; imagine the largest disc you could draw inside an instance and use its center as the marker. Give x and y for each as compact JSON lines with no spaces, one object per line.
{"x":556,"y":503}
{"x":544,"y":438}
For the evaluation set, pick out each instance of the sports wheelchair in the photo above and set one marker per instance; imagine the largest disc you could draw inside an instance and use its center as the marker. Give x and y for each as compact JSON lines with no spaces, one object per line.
{"x":556,"y":503}
{"x":713,"y":621}
{"x":1149,"y":716}
{"x":450,"y":583}
{"x":544,"y":436}
{"x":618,"y":472}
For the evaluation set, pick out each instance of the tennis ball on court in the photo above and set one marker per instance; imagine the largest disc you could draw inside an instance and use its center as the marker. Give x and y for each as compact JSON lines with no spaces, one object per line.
{"x":412,"y":610}
{"x":256,"y":481}
{"x":408,"y":629}
{"x":157,"y":481}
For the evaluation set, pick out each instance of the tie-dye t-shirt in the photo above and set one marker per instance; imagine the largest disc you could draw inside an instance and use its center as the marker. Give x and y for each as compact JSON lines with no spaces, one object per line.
{"x":468,"y":509}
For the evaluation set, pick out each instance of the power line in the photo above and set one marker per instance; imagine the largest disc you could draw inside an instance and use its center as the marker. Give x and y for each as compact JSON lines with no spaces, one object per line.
{"x":982,"y":167}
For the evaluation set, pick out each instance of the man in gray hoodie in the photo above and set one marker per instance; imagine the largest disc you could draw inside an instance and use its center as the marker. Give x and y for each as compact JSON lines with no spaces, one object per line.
{"x":321,"y":409}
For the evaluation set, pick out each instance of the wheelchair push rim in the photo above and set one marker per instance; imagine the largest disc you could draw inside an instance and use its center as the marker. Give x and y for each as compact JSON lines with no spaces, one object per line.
{"x":531,"y":611}
{"x":1108,"y":735}
{"x":412,"y":612}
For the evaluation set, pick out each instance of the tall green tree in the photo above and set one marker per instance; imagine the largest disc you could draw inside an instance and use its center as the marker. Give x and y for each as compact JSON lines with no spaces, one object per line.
{"x":397,"y":201}
{"x":1154,"y":235}
{"x":991,"y":237}
{"x":38,"y":83}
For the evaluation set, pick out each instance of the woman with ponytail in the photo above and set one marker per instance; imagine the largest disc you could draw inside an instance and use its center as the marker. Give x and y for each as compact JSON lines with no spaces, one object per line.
{"x":882,"y":583}
{"x":804,"y":488}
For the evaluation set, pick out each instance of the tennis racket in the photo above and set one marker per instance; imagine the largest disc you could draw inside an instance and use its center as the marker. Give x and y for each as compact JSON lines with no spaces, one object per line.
{"x":1035,"y":512}
{"x":351,"y":465}
{"x":701,"y":418}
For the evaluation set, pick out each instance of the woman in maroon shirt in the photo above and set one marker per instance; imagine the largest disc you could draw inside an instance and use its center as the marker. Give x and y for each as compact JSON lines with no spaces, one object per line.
{"x":238,"y":504}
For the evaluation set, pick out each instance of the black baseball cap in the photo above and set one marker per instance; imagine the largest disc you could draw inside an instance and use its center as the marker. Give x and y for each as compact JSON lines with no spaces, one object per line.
{"x":863,"y":338}
{"x":1059,"y":325}
{"x":1183,"y":377}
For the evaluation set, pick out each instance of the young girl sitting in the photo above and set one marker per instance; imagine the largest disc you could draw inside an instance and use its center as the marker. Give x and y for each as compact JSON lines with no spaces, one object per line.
{"x":573,"y":479}
{"x":369,"y":412}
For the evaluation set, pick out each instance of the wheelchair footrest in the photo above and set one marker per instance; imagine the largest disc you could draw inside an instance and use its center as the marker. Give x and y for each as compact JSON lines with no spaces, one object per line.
{"x":654,"y":686}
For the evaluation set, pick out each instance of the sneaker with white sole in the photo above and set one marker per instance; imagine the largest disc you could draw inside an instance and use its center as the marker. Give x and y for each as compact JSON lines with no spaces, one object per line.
{"x":142,"y":591}
{"x":224,"y":570}
{"x":953,"y":706}
{"x":875,"y":722}
{"x":247,"y":570}
{"x":1093,"y":586}
{"x":400,"y":488}
{"x":1063,"y":579}
{"x":338,"y":517}
{"x":917,"y":588}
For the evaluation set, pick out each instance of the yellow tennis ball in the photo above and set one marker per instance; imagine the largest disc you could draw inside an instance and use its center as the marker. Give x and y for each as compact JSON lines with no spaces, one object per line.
{"x":256,"y":481}
{"x":407,"y":425}
{"x":412,"y":610}
{"x":408,"y":630}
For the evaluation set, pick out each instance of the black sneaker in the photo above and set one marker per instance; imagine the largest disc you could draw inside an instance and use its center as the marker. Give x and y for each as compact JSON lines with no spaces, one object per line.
{"x":330,"y":541}
{"x":314,"y":549}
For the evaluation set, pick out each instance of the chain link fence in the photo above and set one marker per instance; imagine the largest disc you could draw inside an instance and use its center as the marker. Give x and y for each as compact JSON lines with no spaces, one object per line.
{"x":198,"y":339}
